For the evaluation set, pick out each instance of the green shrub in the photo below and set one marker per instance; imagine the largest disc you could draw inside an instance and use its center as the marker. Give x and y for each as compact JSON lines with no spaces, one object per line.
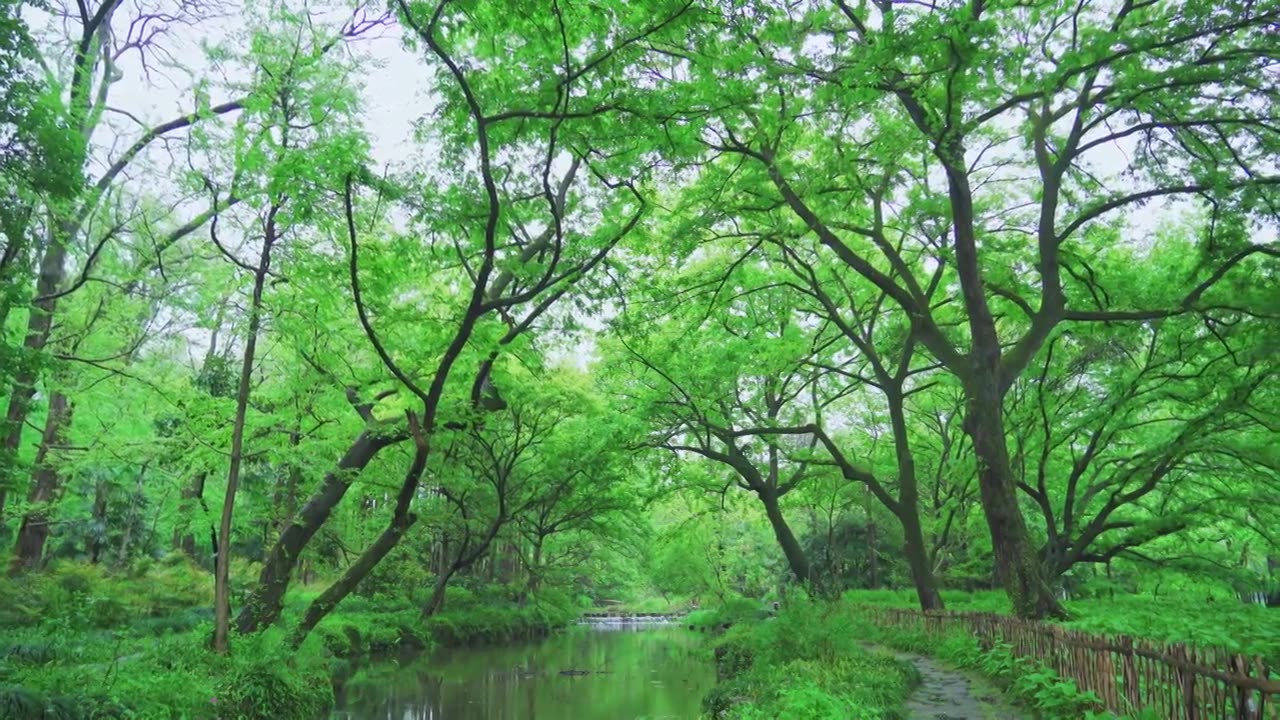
{"x":266,"y":683}
{"x":33,"y":653}
{"x":21,"y":704}
{"x":399,"y":575}
{"x":806,"y":664}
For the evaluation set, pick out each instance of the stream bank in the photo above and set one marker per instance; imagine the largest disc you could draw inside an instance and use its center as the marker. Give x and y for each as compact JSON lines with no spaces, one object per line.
{"x":613,"y":671}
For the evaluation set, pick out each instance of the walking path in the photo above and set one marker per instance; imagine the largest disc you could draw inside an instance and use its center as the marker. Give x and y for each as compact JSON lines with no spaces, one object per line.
{"x":949,"y":694}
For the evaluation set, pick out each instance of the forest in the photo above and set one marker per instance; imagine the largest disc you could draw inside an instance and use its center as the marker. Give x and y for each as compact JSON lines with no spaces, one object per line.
{"x":332,"y":331}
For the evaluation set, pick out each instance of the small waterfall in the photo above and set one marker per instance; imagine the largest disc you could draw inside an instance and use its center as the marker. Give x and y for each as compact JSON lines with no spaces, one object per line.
{"x":617,"y":620}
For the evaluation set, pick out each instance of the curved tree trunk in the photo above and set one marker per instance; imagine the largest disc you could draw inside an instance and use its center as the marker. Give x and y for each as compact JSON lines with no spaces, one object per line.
{"x":796,"y":558}
{"x":222,"y":561}
{"x":263,"y":606}
{"x":401,"y":521}
{"x":436,"y":603}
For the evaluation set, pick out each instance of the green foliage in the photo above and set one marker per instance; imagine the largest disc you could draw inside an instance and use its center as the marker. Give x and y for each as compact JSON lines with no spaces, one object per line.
{"x":734,"y":610}
{"x":670,"y":286}
{"x":270,"y":682}
{"x":490,"y":622}
{"x":806,"y":664}
{"x":79,"y":595}
{"x":1226,"y":623}
{"x":1177,"y":617}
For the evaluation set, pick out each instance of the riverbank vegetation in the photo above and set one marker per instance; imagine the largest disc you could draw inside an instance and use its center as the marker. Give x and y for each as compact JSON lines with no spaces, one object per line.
{"x":809,"y":662}
{"x":331,"y":328}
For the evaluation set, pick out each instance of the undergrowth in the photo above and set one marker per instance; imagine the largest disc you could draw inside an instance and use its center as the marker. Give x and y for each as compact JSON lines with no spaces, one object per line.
{"x":1027,"y":682}
{"x":806,"y":664}
{"x":1194,"y":620}
{"x":78,"y":642}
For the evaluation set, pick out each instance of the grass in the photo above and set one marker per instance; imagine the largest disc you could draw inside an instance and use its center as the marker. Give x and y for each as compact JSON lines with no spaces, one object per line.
{"x":806,"y":664}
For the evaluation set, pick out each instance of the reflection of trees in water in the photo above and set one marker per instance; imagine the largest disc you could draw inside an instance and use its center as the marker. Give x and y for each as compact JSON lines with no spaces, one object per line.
{"x":635,"y":672}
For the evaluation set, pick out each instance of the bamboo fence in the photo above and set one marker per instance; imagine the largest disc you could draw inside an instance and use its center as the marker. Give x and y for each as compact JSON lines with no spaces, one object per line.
{"x":1177,"y":681}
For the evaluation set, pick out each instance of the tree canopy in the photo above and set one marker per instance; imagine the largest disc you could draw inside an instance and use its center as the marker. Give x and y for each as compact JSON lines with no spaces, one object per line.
{"x":703,"y":298}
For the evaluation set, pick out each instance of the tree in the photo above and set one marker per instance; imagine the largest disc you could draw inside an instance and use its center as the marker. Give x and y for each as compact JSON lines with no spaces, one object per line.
{"x":97,"y":49}
{"x":1140,"y":433}
{"x":822,"y":109}
{"x":698,"y":396}
{"x":518,"y":161}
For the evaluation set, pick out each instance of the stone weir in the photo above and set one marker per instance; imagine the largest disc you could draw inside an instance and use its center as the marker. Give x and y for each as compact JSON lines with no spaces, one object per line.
{"x":607,"y":618}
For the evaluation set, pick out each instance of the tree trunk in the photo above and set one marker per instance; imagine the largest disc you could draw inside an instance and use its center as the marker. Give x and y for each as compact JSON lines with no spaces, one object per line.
{"x":39,"y":324}
{"x":184,"y":539}
{"x":287,"y":499}
{"x":908,"y":508}
{"x":101,"y":497}
{"x":222,"y":562}
{"x":873,"y":553}
{"x":401,"y":521}
{"x":343,"y":586}
{"x":28,"y":551}
{"x":130,"y":520}
{"x":1016,"y":564}
{"x":918,"y":561}
{"x":534,"y":571}
{"x":436,"y":603}
{"x":796,"y":559}
{"x":262,"y":608}
{"x":468,"y":555}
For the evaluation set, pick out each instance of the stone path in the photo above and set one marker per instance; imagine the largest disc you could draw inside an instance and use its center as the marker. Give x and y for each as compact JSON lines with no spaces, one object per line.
{"x":949,"y":694}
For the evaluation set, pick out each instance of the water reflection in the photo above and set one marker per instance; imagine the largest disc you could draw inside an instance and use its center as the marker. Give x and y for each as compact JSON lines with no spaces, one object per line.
{"x":616,"y":671}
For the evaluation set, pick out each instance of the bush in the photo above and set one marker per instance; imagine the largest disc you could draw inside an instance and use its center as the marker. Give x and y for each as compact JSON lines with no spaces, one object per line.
{"x":267,"y":688}
{"x":734,"y":610}
{"x":398,"y":575}
{"x":79,"y":595}
{"x":806,"y":664}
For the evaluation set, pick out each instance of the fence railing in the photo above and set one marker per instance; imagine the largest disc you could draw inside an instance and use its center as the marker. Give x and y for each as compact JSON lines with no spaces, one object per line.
{"x":1177,"y":681}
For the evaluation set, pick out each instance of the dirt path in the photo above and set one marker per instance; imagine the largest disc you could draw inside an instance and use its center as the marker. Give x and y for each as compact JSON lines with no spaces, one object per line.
{"x":949,"y":694}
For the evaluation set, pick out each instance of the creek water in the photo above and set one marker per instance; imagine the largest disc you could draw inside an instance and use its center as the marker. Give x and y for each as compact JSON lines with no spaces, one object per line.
{"x":648,"y":672}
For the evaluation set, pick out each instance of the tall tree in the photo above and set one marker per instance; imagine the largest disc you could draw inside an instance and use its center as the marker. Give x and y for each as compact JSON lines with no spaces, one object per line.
{"x":816,"y":104}
{"x":519,"y":153}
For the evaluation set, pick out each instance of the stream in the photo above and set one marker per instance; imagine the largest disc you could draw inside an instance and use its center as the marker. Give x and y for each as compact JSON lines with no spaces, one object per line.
{"x":654,"y":672}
